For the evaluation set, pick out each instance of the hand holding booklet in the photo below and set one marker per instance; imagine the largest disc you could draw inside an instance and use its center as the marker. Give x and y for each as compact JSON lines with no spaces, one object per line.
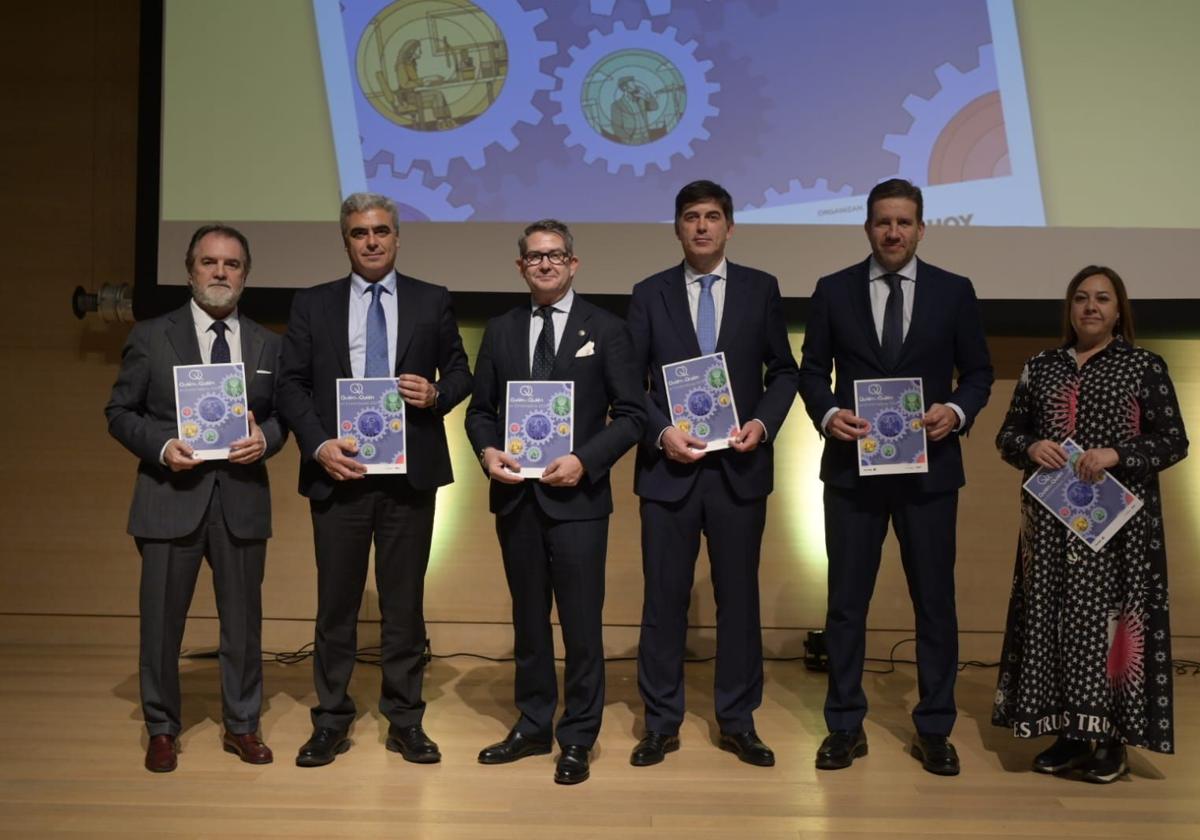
{"x":210,"y":408}
{"x":700,"y":399}
{"x":1094,"y":512}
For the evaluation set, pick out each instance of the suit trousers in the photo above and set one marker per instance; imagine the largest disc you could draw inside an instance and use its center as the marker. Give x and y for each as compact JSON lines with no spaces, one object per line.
{"x":856,"y":522}
{"x":670,"y":544}
{"x":545,"y":561}
{"x":169,"y":570}
{"x":388,"y":511}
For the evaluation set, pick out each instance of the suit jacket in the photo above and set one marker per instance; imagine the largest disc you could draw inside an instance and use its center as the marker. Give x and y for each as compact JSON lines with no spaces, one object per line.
{"x":316,"y":353}
{"x":753,"y":336}
{"x":607,"y":383}
{"x":945,"y":334}
{"x":141,"y":415}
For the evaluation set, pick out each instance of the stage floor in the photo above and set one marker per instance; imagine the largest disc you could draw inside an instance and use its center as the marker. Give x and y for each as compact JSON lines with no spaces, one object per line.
{"x":72,"y":744}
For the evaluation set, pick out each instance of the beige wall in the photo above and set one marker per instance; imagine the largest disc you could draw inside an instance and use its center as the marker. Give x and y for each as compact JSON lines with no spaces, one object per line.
{"x":67,"y":144}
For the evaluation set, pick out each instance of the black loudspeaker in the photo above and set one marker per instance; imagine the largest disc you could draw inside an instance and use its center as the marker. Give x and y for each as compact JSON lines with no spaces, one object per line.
{"x":815,"y":657}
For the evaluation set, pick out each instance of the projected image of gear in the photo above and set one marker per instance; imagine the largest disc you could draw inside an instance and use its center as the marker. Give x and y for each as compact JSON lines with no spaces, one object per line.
{"x":415,"y":202}
{"x":958,"y":133}
{"x":445,"y":79}
{"x":634,"y":97}
{"x":653,"y":7}
{"x":369,"y":425}
{"x":797,"y":193}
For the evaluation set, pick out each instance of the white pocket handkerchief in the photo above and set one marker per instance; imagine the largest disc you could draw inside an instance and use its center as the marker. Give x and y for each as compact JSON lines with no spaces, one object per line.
{"x":588,"y":349}
{"x":263,"y":371}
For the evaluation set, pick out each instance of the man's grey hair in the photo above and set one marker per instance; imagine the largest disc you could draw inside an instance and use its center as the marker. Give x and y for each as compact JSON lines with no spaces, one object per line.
{"x":547,"y":226}
{"x":361,"y":202}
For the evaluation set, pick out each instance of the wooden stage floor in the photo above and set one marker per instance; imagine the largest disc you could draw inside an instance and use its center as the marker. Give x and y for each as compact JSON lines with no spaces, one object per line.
{"x":71,"y":764}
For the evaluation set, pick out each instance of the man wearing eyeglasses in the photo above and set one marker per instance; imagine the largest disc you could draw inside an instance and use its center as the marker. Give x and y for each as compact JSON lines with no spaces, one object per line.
{"x":707,"y":304}
{"x":553,"y":530}
{"x":376,"y":322}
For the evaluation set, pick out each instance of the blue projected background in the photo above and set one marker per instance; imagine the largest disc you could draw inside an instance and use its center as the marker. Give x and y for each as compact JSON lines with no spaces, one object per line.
{"x":500,"y":110}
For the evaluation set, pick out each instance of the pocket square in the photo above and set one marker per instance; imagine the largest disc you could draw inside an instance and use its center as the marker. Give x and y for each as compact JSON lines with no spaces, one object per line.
{"x":263,"y":371}
{"x":588,"y":349}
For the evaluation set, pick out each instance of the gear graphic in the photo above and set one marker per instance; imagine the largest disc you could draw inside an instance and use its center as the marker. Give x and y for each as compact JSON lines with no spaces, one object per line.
{"x":369,"y":425}
{"x":233,"y":389}
{"x":658,"y":151}
{"x":468,"y":142}
{"x":931,"y":117}
{"x":653,"y":7}
{"x":797,"y":193}
{"x":428,"y":204}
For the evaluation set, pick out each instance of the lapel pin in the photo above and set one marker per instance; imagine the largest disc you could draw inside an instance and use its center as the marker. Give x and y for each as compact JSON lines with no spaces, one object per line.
{"x":582,"y":333}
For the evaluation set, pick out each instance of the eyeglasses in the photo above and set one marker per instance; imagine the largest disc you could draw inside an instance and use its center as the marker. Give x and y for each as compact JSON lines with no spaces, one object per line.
{"x":534,"y":258}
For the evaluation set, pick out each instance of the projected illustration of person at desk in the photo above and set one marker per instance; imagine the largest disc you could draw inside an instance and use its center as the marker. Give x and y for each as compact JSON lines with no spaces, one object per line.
{"x":431,"y":66}
{"x":634,"y":97}
{"x":630,"y":123}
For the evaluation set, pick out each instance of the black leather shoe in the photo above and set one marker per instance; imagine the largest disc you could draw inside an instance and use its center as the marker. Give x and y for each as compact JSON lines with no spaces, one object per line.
{"x":513,"y":747}
{"x":937,"y":754}
{"x":323,"y":747}
{"x":412,"y":743}
{"x":572,"y":767}
{"x":748,"y":747}
{"x":840,"y":748}
{"x":1064,"y":754}
{"x":1106,"y":764}
{"x":653,"y":748}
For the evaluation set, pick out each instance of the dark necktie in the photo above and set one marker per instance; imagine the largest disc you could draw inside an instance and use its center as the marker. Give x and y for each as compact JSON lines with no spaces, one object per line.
{"x":706,"y":315}
{"x":377,"y":344}
{"x":543,"y":352}
{"x":219,"y":354}
{"x":893,"y":321}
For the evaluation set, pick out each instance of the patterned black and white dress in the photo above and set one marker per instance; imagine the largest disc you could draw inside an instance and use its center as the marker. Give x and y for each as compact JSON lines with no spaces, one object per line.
{"x":1087,"y":646}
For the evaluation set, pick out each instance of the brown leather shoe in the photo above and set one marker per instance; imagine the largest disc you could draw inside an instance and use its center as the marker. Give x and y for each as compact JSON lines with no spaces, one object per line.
{"x":248,"y":747}
{"x":160,"y":754}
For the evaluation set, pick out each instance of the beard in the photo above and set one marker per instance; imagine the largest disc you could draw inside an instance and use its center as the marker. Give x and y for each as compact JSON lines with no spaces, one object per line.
{"x":220,"y":298}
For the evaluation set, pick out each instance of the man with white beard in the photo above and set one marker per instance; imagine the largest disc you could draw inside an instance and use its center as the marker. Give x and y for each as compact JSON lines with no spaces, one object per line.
{"x":186,"y":509}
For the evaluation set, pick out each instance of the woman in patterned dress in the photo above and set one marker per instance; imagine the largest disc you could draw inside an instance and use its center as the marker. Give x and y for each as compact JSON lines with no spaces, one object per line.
{"x":1087,"y":647}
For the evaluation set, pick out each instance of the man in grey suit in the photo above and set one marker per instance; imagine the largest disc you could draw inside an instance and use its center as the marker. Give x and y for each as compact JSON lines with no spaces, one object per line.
{"x":186,"y":509}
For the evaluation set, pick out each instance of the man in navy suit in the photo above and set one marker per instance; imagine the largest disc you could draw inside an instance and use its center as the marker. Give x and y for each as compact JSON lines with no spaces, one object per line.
{"x":185,"y":509}
{"x":554,"y":531}
{"x":374,"y":323}
{"x":893,"y":315}
{"x":701,"y":306}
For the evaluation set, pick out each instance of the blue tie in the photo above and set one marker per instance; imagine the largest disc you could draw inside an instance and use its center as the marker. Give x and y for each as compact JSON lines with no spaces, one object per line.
{"x":219,"y":354}
{"x":377,"y":343}
{"x":706,"y":316}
